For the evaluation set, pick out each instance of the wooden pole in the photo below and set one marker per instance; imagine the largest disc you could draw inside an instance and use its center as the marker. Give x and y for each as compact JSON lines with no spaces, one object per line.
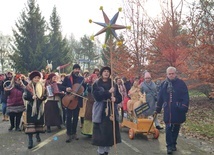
{"x":112,"y":94}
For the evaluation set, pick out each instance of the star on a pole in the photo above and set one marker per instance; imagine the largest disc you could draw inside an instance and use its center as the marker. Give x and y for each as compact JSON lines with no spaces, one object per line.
{"x":109,"y":26}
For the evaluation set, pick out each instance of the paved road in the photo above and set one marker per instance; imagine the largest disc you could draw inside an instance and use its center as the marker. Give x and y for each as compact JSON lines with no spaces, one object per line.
{"x":15,"y":143}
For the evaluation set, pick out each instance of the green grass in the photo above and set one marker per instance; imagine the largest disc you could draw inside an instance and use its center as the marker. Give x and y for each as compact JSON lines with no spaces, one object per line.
{"x":195,"y":93}
{"x":200,"y":128}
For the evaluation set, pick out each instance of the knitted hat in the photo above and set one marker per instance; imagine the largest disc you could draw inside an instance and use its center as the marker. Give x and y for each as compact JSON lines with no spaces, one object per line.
{"x":34,"y":74}
{"x":147,"y":75}
{"x":50,"y":76}
{"x":75,"y":66}
{"x":105,"y":68}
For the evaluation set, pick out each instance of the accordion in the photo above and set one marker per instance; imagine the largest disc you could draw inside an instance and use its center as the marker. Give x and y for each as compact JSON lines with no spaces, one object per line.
{"x":52,"y":90}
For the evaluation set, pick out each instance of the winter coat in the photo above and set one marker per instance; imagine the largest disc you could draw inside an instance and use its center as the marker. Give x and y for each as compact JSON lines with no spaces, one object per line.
{"x":15,"y":96}
{"x":151,"y":96}
{"x":103,"y":126}
{"x":175,"y":109}
{"x":76,"y":79}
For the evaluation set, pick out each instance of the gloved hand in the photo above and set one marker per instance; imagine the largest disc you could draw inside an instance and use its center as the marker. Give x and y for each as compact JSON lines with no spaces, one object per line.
{"x":155,"y":113}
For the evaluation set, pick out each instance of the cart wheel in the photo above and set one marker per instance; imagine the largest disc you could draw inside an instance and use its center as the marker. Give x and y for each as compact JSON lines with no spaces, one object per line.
{"x":131,"y":133}
{"x":156,"y":133}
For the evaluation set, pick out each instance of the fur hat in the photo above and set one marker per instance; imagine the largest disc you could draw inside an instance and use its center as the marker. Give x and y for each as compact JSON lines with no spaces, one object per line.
{"x":34,"y":74}
{"x":50,"y":76}
{"x":105,"y":68}
{"x":75,"y":66}
{"x":96,"y":69}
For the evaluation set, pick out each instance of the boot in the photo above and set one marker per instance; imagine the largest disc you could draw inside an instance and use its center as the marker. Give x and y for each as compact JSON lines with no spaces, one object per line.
{"x":48,"y":129}
{"x":18,"y":129}
{"x":6,"y":118}
{"x":38,"y":139}
{"x":30,"y":141}
{"x":3,"y":118}
{"x":59,"y":127}
{"x":68,"y":139}
{"x":11,"y":128}
{"x":74,"y":136}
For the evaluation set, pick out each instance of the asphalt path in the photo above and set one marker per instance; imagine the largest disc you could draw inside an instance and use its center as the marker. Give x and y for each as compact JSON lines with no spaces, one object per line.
{"x":15,"y":143}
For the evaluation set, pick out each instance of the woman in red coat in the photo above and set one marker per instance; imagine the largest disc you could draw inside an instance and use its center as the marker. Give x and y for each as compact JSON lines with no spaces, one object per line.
{"x":15,"y":103}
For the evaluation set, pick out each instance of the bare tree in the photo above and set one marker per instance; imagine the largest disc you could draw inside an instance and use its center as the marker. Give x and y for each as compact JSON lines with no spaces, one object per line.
{"x":5,"y":51}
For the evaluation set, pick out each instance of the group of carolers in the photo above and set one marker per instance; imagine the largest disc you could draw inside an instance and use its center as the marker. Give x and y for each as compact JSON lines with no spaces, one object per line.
{"x":44,"y":107}
{"x":28,"y":100}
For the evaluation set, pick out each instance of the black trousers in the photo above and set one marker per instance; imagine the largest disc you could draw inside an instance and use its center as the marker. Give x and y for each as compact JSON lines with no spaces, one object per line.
{"x":72,"y":120}
{"x":15,"y":117}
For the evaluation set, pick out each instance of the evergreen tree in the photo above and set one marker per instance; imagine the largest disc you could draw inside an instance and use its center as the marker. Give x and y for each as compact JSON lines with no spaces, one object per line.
{"x":58,"y":47}
{"x":30,"y":40}
{"x":88,"y":52}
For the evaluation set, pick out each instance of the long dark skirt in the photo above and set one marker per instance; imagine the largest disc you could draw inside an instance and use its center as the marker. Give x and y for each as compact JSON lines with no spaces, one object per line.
{"x":103,"y":133}
{"x":33,"y":124}
{"x":52,"y":114}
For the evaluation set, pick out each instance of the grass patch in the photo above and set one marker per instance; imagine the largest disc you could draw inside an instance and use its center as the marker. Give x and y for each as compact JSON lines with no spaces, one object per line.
{"x":195,"y":93}
{"x":200,"y":129}
{"x":200,"y":122}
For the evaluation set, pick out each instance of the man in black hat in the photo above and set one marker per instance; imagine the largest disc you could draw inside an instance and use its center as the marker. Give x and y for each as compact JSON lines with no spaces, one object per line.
{"x":72,"y":115}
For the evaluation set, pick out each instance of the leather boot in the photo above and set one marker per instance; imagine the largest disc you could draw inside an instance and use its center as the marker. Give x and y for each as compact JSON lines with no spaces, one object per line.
{"x":68,"y":139}
{"x":11,"y":128}
{"x":38,"y":139}
{"x":30,"y":141}
{"x":48,"y":129}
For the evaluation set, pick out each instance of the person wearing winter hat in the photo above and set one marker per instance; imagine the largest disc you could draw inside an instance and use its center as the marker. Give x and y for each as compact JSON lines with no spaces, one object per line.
{"x":53,"y":108}
{"x":73,"y":114}
{"x":35,"y":104}
{"x":101,"y":113}
{"x":149,"y":88}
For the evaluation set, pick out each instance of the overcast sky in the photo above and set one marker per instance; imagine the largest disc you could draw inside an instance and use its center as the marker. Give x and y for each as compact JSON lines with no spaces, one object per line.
{"x":74,"y":14}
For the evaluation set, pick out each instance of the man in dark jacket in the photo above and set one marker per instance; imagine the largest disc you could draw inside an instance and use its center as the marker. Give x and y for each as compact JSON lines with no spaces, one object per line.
{"x":174,"y":98}
{"x":73,"y":114}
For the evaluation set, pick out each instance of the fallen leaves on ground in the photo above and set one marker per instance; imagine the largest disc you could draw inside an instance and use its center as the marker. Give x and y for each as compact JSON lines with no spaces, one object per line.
{"x":200,"y":119}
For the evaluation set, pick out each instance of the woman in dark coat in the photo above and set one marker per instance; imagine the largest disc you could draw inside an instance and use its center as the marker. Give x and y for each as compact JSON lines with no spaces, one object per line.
{"x":35,"y":107}
{"x":103,"y":134}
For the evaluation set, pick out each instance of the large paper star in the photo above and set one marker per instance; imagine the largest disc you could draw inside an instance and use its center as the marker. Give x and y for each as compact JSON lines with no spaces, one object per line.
{"x":109,"y":26}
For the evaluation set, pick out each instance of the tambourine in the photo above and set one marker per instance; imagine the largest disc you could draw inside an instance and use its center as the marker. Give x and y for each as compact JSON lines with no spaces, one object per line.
{"x":39,"y":90}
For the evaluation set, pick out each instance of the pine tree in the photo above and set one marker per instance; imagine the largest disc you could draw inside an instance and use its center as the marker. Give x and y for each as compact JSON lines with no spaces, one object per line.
{"x":89,"y":54}
{"x":30,"y":40}
{"x":58,"y":47}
